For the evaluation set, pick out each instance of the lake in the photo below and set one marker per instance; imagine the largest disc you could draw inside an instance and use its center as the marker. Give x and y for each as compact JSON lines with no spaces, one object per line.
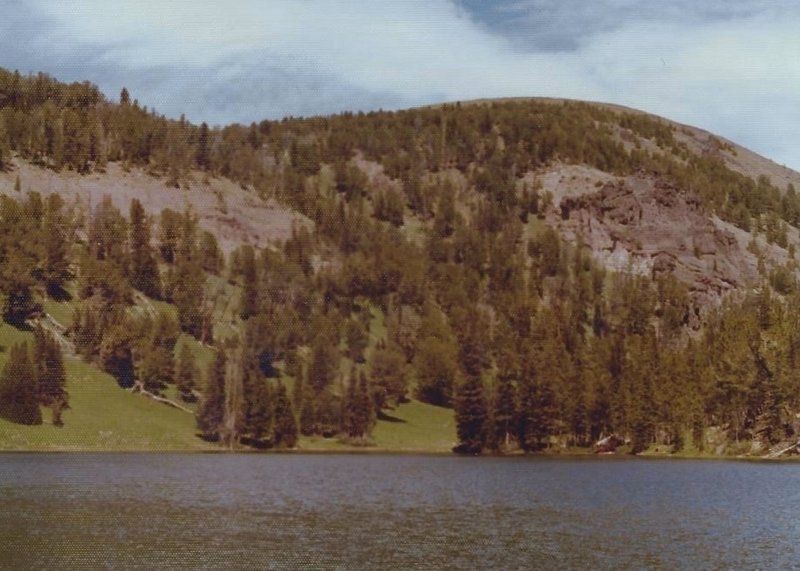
{"x":288,"y":511}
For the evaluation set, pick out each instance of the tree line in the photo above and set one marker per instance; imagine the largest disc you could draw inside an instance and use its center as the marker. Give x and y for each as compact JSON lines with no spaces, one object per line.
{"x":444,"y":284}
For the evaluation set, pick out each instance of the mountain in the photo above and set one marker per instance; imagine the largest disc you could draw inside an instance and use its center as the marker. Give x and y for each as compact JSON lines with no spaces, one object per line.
{"x":556,"y":272}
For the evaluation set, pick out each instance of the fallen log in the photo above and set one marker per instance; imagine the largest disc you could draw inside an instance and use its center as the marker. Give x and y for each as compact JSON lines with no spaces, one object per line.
{"x":138,"y":388}
{"x":781,"y":452}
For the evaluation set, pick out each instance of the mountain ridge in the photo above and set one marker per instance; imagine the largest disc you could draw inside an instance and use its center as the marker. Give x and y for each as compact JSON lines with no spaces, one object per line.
{"x":556,"y":272}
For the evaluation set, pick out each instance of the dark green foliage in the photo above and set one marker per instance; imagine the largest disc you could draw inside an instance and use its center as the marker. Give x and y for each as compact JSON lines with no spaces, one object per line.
{"x":17,"y":285}
{"x":327,"y":414}
{"x":258,"y":418}
{"x":143,"y":270}
{"x":469,"y":284}
{"x":250,"y":299}
{"x":211,"y":258}
{"x":51,"y":377}
{"x":115,"y":353}
{"x":435,"y":361}
{"x":211,"y":413}
{"x":537,"y":414}
{"x":55,"y":234}
{"x":504,"y":414}
{"x":203,"y":153}
{"x":108,"y":235}
{"x":20,"y":232}
{"x":19,"y":401}
{"x":285,"y":432}
{"x":324,"y":366}
{"x":358,"y":417}
{"x":471,"y":416}
{"x":186,"y":374}
{"x":357,"y":339}
{"x":389,"y":207}
{"x":169,"y":234}
{"x":154,"y":360}
{"x":388,"y":372}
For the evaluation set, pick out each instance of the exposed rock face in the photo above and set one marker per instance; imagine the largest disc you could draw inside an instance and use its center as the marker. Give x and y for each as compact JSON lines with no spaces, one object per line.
{"x":644,"y":223}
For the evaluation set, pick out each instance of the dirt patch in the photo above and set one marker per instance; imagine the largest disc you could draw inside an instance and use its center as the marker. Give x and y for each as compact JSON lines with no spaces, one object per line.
{"x":235,"y":216}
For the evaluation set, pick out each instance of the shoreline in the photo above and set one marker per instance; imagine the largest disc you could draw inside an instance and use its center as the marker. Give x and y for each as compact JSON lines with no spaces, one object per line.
{"x":382,"y":451}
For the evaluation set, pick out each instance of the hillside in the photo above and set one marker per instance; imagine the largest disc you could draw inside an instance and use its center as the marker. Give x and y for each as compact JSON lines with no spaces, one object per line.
{"x":531,"y":274}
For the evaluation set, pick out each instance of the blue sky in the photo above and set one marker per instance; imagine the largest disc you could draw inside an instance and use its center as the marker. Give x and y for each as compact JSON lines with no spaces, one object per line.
{"x":730,"y":67}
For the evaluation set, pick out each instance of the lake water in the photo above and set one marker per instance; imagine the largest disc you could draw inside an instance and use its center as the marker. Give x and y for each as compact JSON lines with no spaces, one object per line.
{"x":288,"y":511}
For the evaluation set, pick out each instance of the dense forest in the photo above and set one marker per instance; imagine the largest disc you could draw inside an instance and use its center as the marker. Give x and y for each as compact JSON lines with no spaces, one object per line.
{"x":485,"y":307}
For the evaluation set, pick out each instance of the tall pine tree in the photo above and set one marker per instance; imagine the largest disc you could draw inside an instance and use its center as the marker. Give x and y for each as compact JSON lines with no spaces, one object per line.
{"x":19,"y":400}
{"x":144,"y":274}
{"x":211,"y":414}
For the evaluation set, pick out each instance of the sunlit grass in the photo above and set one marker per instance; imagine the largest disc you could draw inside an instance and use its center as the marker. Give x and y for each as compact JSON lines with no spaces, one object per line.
{"x":103,"y":416}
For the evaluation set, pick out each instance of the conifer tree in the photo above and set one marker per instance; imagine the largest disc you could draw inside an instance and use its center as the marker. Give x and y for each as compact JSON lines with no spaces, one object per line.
{"x":308,"y":413}
{"x":258,"y":407}
{"x":202,"y":155}
{"x":19,"y":400}
{"x":471,"y":417}
{"x":388,"y":372}
{"x":536,"y":415}
{"x":51,"y":376}
{"x":143,"y":270}
{"x":211,"y":413}
{"x":435,"y":360}
{"x":17,"y":284}
{"x":353,"y":424}
{"x":357,"y":340}
{"x":504,"y":412}
{"x":186,"y":374}
{"x":285,"y":432}
{"x":55,"y":270}
{"x":324,"y":362}
{"x":249,"y":305}
{"x":364,"y":407}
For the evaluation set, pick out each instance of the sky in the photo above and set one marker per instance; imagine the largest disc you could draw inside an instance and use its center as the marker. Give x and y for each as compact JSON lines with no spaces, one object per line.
{"x":732,"y":67}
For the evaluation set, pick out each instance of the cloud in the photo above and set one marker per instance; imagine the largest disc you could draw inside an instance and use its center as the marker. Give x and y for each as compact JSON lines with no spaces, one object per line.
{"x":729,"y":68}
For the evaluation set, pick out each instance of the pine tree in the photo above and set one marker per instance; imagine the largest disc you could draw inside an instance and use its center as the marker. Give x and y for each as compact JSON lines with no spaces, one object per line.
{"x":504,"y":413}
{"x":536,"y":415}
{"x":357,"y":339}
{"x":258,"y":408}
{"x":471,"y":417}
{"x":55,"y":270}
{"x":249,"y":284}
{"x":211,"y":413}
{"x":285,"y":430}
{"x":324,"y":363}
{"x":358,"y":416}
{"x":144,"y":269}
{"x":435,"y":360}
{"x":51,"y":376}
{"x":17,"y":284}
{"x":308,"y":413}
{"x":156,"y":368}
{"x":364,"y":407}
{"x":202,"y":155}
{"x":389,"y":374}
{"x":186,"y":374}
{"x":19,"y":400}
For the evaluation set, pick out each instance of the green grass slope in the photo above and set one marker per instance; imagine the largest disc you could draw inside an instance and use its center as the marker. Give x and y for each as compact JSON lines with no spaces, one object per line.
{"x":411,"y":427}
{"x":102,"y":416}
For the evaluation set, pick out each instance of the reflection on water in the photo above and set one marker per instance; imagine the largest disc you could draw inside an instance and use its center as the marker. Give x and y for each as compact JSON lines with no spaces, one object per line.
{"x":269,"y":511}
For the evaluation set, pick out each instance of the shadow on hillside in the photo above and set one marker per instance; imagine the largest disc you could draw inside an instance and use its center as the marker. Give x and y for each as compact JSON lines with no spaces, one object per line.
{"x":388,"y":418}
{"x":59,"y":294}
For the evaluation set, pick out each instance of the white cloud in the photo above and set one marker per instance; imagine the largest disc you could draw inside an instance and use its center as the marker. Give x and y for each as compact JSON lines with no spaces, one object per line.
{"x":738,"y":76}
